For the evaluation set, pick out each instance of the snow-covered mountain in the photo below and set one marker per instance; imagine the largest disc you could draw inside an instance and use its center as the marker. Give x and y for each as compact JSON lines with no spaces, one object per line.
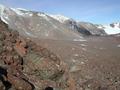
{"x":84,"y":28}
{"x":37,"y":24}
{"x":88,"y":28}
{"x":113,"y":28}
{"x":115,"y":25}
{"x":47,"y":26}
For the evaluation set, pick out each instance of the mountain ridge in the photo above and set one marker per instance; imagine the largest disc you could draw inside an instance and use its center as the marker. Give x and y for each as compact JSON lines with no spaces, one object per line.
{"x":57,"y":22}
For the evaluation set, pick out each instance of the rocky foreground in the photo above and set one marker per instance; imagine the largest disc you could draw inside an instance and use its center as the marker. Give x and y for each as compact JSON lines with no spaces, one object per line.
{"x":27,"y":66}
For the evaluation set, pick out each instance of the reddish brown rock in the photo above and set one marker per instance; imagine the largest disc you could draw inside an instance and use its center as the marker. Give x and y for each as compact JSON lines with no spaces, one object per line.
{"x":29,"y":66}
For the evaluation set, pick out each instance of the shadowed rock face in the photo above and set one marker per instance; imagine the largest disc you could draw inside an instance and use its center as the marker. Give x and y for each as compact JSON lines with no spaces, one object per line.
{"x":84,"y":28}
{"x":73,"y":25}
{"x":93,"y":29}
{"x":27,"y":66}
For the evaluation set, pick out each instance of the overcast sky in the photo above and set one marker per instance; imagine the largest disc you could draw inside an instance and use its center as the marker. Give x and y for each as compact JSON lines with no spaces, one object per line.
{"x":95,"y":11}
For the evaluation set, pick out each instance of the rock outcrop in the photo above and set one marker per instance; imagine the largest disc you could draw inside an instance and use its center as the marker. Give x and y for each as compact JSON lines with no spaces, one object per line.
{"x":24,"y":65}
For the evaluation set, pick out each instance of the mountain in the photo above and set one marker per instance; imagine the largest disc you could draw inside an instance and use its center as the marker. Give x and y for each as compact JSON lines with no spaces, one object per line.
{"x":37,"y":24}
{"x":85,"y":28}
{"x":113,"y":28}
{"x":115,"y":25}
{"x":91,"y":28}
{"x":73,"y":25}
{"x":46,"y":26}
{"x":56,"y":27}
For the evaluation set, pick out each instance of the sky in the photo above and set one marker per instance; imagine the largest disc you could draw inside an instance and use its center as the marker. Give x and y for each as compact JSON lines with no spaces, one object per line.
{"x":95,"y":11}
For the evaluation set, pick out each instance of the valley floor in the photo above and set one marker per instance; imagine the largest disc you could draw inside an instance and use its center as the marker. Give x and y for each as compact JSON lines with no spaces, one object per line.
{"x":94,"y":63}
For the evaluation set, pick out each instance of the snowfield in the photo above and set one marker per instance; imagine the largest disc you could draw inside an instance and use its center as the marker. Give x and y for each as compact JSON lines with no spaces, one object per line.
{"x":110,"y":30}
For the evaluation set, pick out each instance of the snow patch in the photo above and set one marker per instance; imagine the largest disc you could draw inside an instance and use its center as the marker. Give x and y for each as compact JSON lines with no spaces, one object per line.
{"x":73,"y":60}
{"x":60,"y":18}
{"x":82,"y":62}
{"x":83,"y":45}
{"x":2,"y":16}
{"x":22,"y":9}
{"x":43,"y":15}
{"x":30,"y":14}
{"x":73,"y":48}
{"x":118,"y":46}
{"x":74,"y":69}
{"x":76,"y":55}
{"x":116,"y":25}
{"x":82,"y":40}
{"x":29,"y":34}
{"x":84,"y":49}
{"x":111,"y":30}
{"x":18,"y":11}
{"x":21,"y":13}
{"x":46,"y":34}
{"x":101,"y":48}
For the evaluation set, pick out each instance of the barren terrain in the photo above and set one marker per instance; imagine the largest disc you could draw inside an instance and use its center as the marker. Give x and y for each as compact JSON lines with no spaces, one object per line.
{"x":94,"y":63}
